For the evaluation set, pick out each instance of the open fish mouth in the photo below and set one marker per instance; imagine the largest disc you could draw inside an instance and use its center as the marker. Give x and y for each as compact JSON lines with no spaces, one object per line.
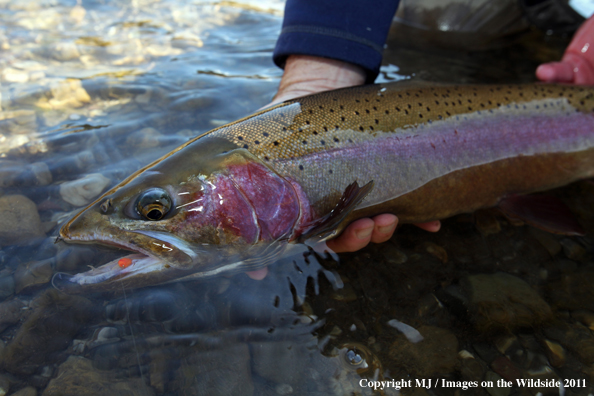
{"x":121,"y":268}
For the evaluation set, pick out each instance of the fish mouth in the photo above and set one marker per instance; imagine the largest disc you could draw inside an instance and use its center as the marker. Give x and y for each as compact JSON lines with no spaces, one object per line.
{"x":142,"y":263}
{"x":136,"y":264}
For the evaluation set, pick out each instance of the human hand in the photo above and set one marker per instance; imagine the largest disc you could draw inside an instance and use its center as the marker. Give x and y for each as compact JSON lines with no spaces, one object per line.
{"x":577,"y":64}
{"x":306,"y":75}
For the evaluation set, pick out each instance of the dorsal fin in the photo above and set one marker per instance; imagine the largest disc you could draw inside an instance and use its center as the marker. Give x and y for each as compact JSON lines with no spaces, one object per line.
{"x":326,"y":226}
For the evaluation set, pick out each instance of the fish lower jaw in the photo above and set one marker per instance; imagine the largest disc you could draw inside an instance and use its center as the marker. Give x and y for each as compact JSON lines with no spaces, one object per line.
{"x":135,"y":264}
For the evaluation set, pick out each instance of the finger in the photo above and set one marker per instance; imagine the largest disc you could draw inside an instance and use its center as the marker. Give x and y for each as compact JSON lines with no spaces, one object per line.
{"x":431,"y":226}
{"x":555,"y":72}
{"x":583,"y":72}
{"x":258,"y":274}
{"x":384,"y":227}
{"x":356,"y":236}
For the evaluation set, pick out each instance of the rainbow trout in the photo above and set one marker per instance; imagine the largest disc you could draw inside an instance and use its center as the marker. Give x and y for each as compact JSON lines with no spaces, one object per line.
{"x":240,"y":196}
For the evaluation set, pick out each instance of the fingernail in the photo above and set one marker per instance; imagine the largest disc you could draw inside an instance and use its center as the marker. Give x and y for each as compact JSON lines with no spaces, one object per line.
{"x":386,"y":229}
{"x":364,"y":233}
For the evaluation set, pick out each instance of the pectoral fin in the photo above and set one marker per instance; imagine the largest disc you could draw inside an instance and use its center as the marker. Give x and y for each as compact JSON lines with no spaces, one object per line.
{"x":326,"y":227}
{"x":542,"y":211}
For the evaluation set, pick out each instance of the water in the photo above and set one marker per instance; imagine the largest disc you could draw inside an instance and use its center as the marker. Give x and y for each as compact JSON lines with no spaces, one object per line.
{"x":97,"y":89}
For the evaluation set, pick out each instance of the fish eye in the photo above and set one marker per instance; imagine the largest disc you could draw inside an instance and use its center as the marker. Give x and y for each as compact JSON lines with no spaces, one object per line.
{"x":153,"y":204}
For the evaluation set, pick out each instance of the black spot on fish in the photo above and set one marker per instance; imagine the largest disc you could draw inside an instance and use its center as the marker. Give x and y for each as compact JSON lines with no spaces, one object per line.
{"x":469,"y":108}
{"x":304,"y":142}
{"x":323,"y":143}
{"x":376,"y":121}
{"x":331,"y":110}
{"x":371,"y":127}
{"x":284,"y":129}
{"x":482,"y":105}
{"x":350,"y":141}
{"x":275,"y":143}
{"x":325,"y":129}
{"x":469,"y":101}
{"x":387,"y":111}
{"x":321,"y":107}
{"x":356,"y":113}
{"x":336,"y":139}
{"x":266,"y":159}
{"x":367,"y":111}
{"x":428,"y":109}
{"x":439,"y":116}
{"x":374,"y":108}
{"x":537,"y":106}
{"x":405,"y":111}
{"x":239,"y":137}
{"x":256,"y":141}
{"x":245,"y":146}
{"x":437,"y":102}
{"x":265,"y":134}
{"x":400,"y":96}
{"x":342,"y":119}
{"x":409,"y":106}
{"x":307,"y":122}
{"x":310,"y":111}
{"x":420,"y":115}
{"x":361,"y":128}
{"x":357,"y":100}
{"x":341,"y":107}
{"x":420,"y":104}
{"x":314,"y":132}
{"x":300,"y":167}
{"x":397,"y":108}
{"x":448,"y":113}
{"x":330,"y":171}
{"x":367,"y":100}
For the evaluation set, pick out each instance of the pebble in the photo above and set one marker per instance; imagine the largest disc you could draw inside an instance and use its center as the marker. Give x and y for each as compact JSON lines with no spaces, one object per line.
{"x":434,"y":250}
{"x":506,"y":368}
{"x":486,"y":222}
{"x":495,"y":390}
{"x":547,"y":240}
{"x":500,"y":301}
{"x":10,"y":313}
{"x":144,"y":138}
{"x":436,"y":354}
{"x":66,"y":94}
{"x":575,"y":338}
{"x":574,"y":291}
{"x":30,"y":276}
{"x":4,"y":385}
{"x":585,"y":317}
{"x":393,"y":255}
{"x":20,"y":220}
{"x":82,"y":191}
{"x":573,"y":250}
{"x":14,"y":173}
{"x":6,"y":284}
{"x":555,"y":353}
{"x":77,"y":377}
{"x":28,"y":391}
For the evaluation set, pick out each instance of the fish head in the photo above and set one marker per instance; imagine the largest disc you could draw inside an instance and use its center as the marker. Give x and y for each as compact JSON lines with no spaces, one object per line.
{"x":197,"y":210}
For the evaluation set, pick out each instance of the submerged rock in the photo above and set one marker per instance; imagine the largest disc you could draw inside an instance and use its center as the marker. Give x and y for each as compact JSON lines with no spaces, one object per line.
{"x":20,"y":220}
{"x":436,"y":354}
{"x":29,"y":276}
{"x":82,"y":191}
{"x":10,"y":313}
{"x":501,"y":301}
{"x":78,"y":377}
{"x":223,"y":371}
{"x":55,"y":320}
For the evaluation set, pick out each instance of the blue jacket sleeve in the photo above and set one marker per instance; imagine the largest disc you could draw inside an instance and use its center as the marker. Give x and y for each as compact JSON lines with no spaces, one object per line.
{"x":353,"y":31}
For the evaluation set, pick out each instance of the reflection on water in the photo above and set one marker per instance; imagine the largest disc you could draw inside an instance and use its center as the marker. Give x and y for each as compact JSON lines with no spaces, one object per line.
{"x":91,"y":91}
